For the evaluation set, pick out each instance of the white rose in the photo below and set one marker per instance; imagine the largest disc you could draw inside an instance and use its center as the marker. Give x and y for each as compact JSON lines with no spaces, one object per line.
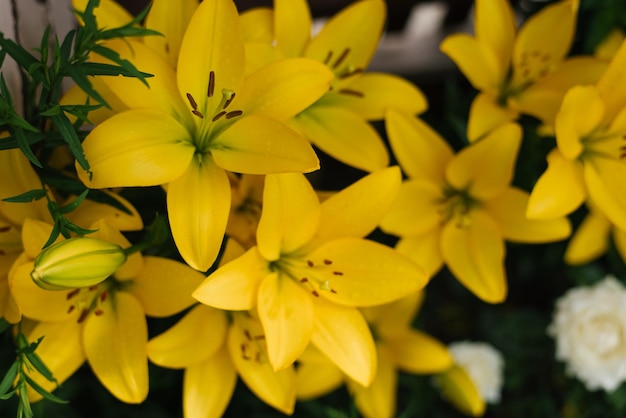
{"x":484,"y":365}
{"x":589,"y":326}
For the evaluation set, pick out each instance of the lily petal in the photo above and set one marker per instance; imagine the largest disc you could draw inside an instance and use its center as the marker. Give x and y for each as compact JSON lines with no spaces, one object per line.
{"x":415,"y":210}
{"x":378,"y":400}
{"x":611,"y":84}
{"x":357,"y":210}
{"x":495,"y":27}
{"x":197,"y":337}
{"x":290,"y":217}
{"x":136,"y":148}
{"x":424,"y":250}
{"x":371,"y":94}
{"x":109,"y":13}
{"x":457,"y":386}
{"x":344,"y":337}
{"x":509,"y":211}
{"x":394,"y":317}
{"x":214,"y":30}
{"x":209,"y":386}
{"x":276,"y":388}
{"x":286,"y":312}
{"x":164,"y":286}
{"x":619,"y":238}
{"x":343,"y":135}
{"x":486,"y":167}
{"x":234,"y":286}
{"x":115,"y":345}
{"x":257,"y":25}
{"x":198,"y":204}
{"x":91,"y":211}
{"x":605,"y":180}
{"x":590,"y":241}
{"x":486,"y":115}
{"x":475,"y":255}
{"x":260,"y":145}
{"x":560,"y":189}
{"x":292,"y":26}
{"x":316,"y":375}
{"x":416,"y":352}
{"x":421,"y":152}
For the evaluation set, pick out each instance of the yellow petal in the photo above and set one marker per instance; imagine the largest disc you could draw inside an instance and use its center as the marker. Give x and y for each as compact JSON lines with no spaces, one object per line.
{"x":259,"y":54}
{"x":343,"y":336}
{"x":277,"y":389}
{"x":35,"y":234}
{"x":290,"y":217}
{"x":619,"y":238}
{"x":486,"y":115}
{"x":260,"y":145}
{"x":257,"y":25}
{"x":415,"y":210}
{"x":358,"y":272}
{"x":136,"y":148}
{"x":61,"y":350}
{"x":605,"y":180}
{"x":134,"y":262}
{"x":164,"y":286}
{"x":286,"y":312}
{"x":234,"y":286}
{"x":416,"y":352}
{"x":486,"y":167}
{"x":590,"y":241}
{"x":424,"y":250}
{"x":213,"y":42}
{"x":170,"y":19}
{"x":608,"y":47}
{"x":357,"y":210}
{"x":371,"y":94}
{"x":283,"y":89}
{"x":543,"y":41}
{"x":198,"y":204}
{"x":495,"y":27}
{"x":194,"y":339}
{"x":115,"y":345}
{"x":91,"y":211}
{"x":611,"y":84}
{"x":509,"y":211}
{"x":316,"y":375}
{"x":475,"y":255}
{"x":559,"y":190}
{"x":421,"y":152}
{"x":395,"y":316}
{"x":476,"y":61}
{"x":343,"y":135}
{"x":9,"y":309}
{"x":458,"y":388}
{"x":292,"y":26}
{"x":580,"y":114}
{"x":349,"y":39}
{"x":209,"y":386}
{"x":109,"y":14}
{"x":76,"y":96}
{"x":378,"y":400}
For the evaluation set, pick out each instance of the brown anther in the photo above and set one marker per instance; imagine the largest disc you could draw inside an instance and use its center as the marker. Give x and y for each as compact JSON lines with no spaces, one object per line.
{"x":104,"y":296}
{"x":622,"y":156}
{"x":257,"y":357}
{"x":314,"y":292}
{"x":98,"y":312}
{"x":198,"y":113}
{"x":83,"y":315}
{"x":333,"y":291}
{"x":328,"y":57}
{"x":2,"y":252}
{"x":211,"y":88}
{"x":167,"y":47}
{"x":72,"y":293}
{"x":219,"y":115}
{"x":304,"y":280}
{"x":351,"y":73}
{"x":351,"y":93}
{"x":71,"y":309}
{"x":92,"y":288}
{"x":338,"y":273}
{"x":259,"y":337}
{"x":192,"y":102}
{"x":309,"y":263}
{"x":5,"y":229}
{"x":247,"y":334}
{"x":234,"y":114}
{"x":342,"y":57}
{"x":328,"y":262}
{"x":228,"y":101}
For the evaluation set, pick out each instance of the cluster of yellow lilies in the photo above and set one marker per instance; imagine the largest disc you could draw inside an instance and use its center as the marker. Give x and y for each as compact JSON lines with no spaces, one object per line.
{"x":278,"y":281}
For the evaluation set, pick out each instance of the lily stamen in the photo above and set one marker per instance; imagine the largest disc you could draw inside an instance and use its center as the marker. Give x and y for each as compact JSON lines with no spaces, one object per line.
{"x":211,"y":88}
{"x":192,"y":102}
{"x":234,"y":114}
{"x":351,"y":93}
{"x":342,"y":57}
{"x":218,"y":116}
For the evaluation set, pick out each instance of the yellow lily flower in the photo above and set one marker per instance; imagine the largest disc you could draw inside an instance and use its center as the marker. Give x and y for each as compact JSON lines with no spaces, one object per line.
{"x":589,"y":158}
{"x":337,"y":122}
{"x":245,"y":211}
{"x":311,"y":269}
{"x":194,"y":124}
{"x":104,"y":324}
{"x":519,"y":72}
{"x":213,"y":347}
{"x":459,"y":209}
{"x":457,"y":386}
{"x":398,"y":347}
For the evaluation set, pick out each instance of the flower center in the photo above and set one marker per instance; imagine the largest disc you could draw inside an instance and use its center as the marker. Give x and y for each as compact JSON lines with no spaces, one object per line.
{"x":456,"y":206}
{"x":87,"y":300}
{"x":603,"y":334}
{"x":311,"y":275}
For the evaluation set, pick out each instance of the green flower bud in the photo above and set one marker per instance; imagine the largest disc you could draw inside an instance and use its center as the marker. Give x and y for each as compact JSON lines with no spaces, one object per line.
{"x":76,"y":262}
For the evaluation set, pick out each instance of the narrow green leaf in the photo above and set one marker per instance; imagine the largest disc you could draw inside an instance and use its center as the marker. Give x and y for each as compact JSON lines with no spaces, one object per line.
{"x":95,"y":68}
{"x":7,"y":381}
{"x":4,"y":90}
{"x":22,"y":142}
{"x":24,"y":401}
{"x":56,"y":231}
{"x":83,"y":82}
{"x":8,"y":395}
{"x":131,"y":70}
{"x":70,"y":207}
{"x":19,"y":54}
{"x":54,"y":110}
{"x":43,"y":392}
{"x":16,"y":120}
{"x":26,"y":197}
{"x":68,"y":133}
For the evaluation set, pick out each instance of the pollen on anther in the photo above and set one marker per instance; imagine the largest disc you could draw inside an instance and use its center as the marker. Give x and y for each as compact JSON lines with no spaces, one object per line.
{"x":314,"y":292}
{"x":72,"y":293}
{"x":328,"y":57}
{"x":92,"y":288}
{"x":304,"y":280}
{"x":211,"y":88}
{"x":192,"y":102}
{"x":351,"y":93}
{"x":219,"y":115}
{"x":234,"y":114}
{"x":198,"y":113}
{"x":98,"y":312}
{"x":104,"y":296}
{"x":342,"y":57}
{"x":247,"y":334}
{"x":338,"y":273}
{"x":309,"y":263}
{"x":229,"y":100}
{"x":83,"y":316}
{"x":5,"y":229}
{"x":328,"y":262}
{"x":71,"y":309}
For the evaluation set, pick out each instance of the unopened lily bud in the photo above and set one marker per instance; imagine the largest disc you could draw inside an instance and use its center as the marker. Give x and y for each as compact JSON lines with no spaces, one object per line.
{"x":76,"y":262}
